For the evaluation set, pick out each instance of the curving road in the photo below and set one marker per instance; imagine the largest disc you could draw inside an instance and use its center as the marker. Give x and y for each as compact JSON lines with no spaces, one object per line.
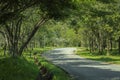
{"x":80,"y":68}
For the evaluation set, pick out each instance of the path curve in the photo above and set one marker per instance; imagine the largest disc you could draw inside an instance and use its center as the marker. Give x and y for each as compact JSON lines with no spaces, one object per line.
{"x":81,"y":68}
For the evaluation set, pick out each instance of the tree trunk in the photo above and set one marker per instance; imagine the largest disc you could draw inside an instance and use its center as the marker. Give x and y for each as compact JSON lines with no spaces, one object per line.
{"x":13,"y":36}
{"x":5,"y":49}
{"x":5,"y":42}
{"x":119,"y":45}
{"x":90,"y":48}
{"x":111,"y":44}
{"x":108,"y":47}
{"x":36,"y":27}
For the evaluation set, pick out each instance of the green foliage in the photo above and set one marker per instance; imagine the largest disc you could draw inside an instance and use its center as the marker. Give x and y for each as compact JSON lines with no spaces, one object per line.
{"x":107,"y":1}
{"x":56,"y":34}
{"x":99,"y":27}
{"x":37,"y":12}
{"x":17,"y":69}
{"x":109,"y":59}
{"x":11,"y":9}
{"x":91,"y":23}
{"x":55,"y":8}
{"x":58,"y":73}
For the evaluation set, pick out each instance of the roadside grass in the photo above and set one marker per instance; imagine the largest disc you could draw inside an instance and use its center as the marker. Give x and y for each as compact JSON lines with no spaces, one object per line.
{"x":58,"y":73}
{"x":24,"y":68}
{"x":17,"y":69}
{"x":112,"y":59}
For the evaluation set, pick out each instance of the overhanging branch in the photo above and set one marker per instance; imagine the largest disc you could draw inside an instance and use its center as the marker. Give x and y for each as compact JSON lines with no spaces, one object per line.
{"x":36,"y":27}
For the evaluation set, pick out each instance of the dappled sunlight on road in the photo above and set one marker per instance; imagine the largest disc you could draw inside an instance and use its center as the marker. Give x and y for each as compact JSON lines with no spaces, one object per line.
{"x":81,"y":68}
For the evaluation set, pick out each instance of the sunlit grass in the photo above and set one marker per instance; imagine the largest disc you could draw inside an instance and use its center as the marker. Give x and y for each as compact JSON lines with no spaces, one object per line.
{"x":17,"y":69}
{"x":24,"y":68}
{"x":59,"y":74}
{"x":112,"y":59}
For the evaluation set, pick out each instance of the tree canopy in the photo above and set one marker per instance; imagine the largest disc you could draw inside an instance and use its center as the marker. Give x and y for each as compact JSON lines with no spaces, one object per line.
{"x":89,"y":23}
{"x":14,"y":15}
{"x":11,"y":9}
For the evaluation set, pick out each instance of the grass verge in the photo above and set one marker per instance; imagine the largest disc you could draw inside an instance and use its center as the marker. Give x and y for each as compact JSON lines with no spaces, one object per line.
{"x":59,"y":74}
{"x":17,"y":69}
{"x":24,"y":68}
{"x":112,"y":59}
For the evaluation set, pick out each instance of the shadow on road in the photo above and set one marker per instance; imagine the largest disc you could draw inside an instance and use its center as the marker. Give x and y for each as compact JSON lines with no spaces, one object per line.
{"x":83,"y":69}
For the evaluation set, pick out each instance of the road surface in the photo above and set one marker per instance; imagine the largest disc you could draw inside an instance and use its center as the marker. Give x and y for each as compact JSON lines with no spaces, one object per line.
{"x":80,"y":68}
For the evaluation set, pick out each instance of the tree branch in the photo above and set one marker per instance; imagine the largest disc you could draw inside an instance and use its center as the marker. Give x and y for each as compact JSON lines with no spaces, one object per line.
{"x":9,"y":33}
{"x":3,"y":34}
{"x":36,"y":27}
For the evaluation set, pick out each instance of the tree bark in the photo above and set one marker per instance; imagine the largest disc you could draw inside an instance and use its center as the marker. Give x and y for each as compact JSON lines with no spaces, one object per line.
{"x":5,"y":42}
{"x":108,"y":47}
{"x":36,"y":27}
{"x":119,"y":45}
{"x":111,"y":44}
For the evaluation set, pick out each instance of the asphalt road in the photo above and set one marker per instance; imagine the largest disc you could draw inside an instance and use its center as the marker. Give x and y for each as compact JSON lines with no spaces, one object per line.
{"x":80,"y":68}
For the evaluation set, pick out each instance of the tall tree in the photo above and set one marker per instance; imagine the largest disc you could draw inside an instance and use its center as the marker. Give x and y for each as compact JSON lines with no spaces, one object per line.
{"x":11,"y":18}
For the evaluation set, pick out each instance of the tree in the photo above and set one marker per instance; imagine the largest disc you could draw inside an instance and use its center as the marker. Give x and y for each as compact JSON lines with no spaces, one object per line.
{"x":100,"y":24}
{"x":11,"y":18}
